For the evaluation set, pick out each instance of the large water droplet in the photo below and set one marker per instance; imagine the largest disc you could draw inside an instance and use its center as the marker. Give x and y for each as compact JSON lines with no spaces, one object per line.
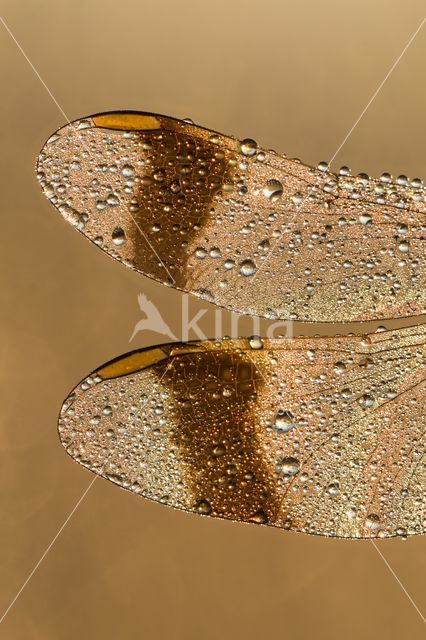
{"x":288,"y":466}
{"x":372,"y":522}
{"x":333,"y":489}
{"x":128,"y":171}
{"x":284,"y":422}
{"x":255,"y":342}
{"x":203,"y":507}
{"x":365,"y":219}
{"x":366,"y":401}
{"x":248,"y":268}
{"x":259,"y":517}
{"x":339,"y":368}
{"x":248,"y":147}
{"x":273,"y":189}
{"x":118,"y":236}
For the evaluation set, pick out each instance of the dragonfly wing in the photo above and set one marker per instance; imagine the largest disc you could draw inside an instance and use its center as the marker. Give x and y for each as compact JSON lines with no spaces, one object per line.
{"x":319,"y":435}
{"x":247,"y":229}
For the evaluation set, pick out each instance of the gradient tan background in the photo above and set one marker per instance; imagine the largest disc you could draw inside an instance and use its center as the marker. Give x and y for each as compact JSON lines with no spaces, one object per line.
{"x":294,"y":76}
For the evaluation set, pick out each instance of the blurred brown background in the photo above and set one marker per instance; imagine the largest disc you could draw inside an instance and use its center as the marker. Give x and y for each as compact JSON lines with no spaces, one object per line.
{"x":294,"y":76}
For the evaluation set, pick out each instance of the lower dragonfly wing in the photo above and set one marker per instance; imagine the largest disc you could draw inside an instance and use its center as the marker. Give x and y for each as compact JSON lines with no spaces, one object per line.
{"x":319,"y":435}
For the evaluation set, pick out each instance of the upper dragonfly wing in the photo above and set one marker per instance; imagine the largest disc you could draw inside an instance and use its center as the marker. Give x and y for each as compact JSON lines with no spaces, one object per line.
{"x":320,"y":435}
{"x":248,"y":229}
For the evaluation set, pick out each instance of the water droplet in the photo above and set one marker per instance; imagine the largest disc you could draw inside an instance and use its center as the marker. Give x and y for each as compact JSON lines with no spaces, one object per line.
{"x":248,"y":147}
{"x":67,"y":404}
{"x":255,"y":342}
{"x":259,"y":517}
{"x":203,"y":507}
{"x":372,"y":522}
{"x":118,"y":236}
{"x":288,"y":466}
{"x":366,"y":401}
{"x":214,"y":252}
{"x":403,"y":246}
{"x":402,"y":180}
{"x":248,"y":268}
{"x":333,"y":489}
{"x":284,"y":422}
{"x":128,"y":171}
{"x":340,"y":368}
{"x":113,"y":200}
{"x":219,"y":451}
{"x":365,"y":219}
{"x":273,"y":189}
{"x":264,"y":245}
{"x":175,"y":186}
{"x":159,"y":175}
{"x":402,"y":229}
{"x":323,"y":166}
{"x":297,"y":198}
